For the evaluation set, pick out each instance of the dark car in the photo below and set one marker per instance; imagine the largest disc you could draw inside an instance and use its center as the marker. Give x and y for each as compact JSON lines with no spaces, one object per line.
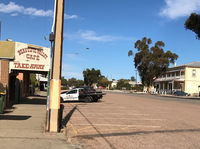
{"x":181,"y":93}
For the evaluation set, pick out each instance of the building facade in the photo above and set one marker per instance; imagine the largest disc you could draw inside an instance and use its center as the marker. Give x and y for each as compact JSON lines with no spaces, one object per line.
{"x":17,"y":61}
{"x":180,"y":78}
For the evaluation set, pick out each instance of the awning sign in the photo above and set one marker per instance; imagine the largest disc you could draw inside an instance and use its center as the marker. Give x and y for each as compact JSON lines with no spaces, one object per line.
{"x":29,"y":57}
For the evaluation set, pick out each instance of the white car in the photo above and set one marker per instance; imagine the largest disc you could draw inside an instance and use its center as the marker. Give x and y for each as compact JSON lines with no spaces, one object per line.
{"x":81,"y":94}
{"x":72,"y":95}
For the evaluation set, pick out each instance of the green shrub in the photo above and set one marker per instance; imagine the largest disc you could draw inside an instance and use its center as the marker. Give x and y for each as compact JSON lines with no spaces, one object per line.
{"x":64,"y":88}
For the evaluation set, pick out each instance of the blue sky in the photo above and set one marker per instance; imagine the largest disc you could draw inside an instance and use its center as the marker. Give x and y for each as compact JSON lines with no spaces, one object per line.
{"x":108,"y":28}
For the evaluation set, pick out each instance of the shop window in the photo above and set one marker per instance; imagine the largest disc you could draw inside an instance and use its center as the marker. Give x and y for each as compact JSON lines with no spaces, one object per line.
{"x":194,"y":72}
{"x":182,"y":73}
{"x":173,"y":74}
{"x":178,"y":73}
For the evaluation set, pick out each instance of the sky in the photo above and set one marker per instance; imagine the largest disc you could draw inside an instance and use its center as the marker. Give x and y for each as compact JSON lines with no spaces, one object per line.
{"x":99,"y":33}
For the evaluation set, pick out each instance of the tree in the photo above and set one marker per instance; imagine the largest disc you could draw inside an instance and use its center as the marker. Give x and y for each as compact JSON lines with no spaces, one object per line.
{"x":63,"y":81}
{"x":151,"y":62}
{"x":75,"y":82}
{"x":193,"y":23}
{"x":123,"y":84}
{"x":91,"y":76}
{"x":72,"y":82}
{"x":79,"y":83}
{"x":103,"y":81}
{"x":133,"y":78}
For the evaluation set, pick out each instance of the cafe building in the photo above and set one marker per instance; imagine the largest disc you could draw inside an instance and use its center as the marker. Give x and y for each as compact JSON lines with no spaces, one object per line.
{"x":17,"y":62}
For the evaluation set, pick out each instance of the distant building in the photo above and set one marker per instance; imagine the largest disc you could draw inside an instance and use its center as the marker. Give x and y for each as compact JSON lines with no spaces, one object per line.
{"x":114,"y":84}
{"x":180,"y":78}
{"x":132,"y":83}
{"x":43,"y":80}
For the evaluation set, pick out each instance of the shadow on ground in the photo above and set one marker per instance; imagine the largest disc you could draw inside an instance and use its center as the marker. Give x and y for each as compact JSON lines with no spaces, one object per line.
{"x":14,"y":117}
{"x":38,"y":100}
{"x":66,"y":119}
{"x":139,"y":133}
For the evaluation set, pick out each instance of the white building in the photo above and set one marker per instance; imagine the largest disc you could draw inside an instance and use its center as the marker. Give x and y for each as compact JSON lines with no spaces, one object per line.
{"x":180,"y":78}
{"x":114,"y":84}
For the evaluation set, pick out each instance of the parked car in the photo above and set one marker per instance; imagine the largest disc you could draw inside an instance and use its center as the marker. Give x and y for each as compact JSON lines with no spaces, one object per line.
{"x":86,"y":94}
{"x":181,"y":93}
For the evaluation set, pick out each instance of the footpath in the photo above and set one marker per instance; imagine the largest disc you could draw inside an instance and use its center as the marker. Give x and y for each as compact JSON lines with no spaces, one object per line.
{"x":22,"y":127}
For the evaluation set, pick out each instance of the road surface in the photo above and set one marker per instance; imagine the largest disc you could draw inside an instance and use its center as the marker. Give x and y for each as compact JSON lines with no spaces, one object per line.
{"x":128,"y":121}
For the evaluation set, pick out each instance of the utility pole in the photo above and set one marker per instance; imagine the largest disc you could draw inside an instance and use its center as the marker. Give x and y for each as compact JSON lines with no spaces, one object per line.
{"x":55,"y":82}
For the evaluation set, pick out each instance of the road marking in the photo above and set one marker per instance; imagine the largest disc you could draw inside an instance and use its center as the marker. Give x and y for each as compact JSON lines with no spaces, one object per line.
{"x":84,"y":128}
{"x":103,"y":130}
{"x":116,"y":125}
{"x":114,"y":114}
{"x":133,"y":119}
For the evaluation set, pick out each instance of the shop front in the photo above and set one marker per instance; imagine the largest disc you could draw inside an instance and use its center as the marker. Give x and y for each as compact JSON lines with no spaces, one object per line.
{"x":23,"y":60}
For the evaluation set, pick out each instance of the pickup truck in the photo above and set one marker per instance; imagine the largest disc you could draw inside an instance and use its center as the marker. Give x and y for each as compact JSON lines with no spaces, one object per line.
{"x":81,"y":94}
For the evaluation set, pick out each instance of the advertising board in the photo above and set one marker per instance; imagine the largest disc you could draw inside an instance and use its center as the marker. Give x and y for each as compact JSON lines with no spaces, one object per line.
{"x":30,"y":57}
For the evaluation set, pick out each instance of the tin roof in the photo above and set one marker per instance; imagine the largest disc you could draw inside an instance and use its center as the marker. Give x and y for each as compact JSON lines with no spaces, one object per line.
{"x":192,"y":64}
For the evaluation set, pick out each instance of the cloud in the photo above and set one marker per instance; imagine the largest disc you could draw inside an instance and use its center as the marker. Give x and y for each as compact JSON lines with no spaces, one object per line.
{"x":38,"y":12}
{"x":66,"y":16}
{"x":14,"y":10}
{"x":179,"y":8}
{"x":10,"y":8}
{"x":89,"y":35}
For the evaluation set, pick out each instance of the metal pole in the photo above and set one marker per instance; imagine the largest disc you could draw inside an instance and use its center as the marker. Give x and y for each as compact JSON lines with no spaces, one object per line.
{"x":51,"y":39}
{"x":55,"y":82}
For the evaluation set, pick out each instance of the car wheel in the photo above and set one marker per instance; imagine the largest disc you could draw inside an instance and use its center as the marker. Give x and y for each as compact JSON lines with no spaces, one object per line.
{"x":96,"y":99}
{"x":88,"y":99}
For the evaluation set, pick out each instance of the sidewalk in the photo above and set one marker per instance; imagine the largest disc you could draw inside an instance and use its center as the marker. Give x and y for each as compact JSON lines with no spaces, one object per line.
{"x":23,"y":127}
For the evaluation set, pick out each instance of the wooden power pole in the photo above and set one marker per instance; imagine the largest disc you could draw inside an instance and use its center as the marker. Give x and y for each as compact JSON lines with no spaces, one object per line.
{"x":55,"y":82}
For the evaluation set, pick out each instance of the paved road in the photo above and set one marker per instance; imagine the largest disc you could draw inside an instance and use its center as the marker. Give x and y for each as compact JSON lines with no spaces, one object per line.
{"x":123,"y":121}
